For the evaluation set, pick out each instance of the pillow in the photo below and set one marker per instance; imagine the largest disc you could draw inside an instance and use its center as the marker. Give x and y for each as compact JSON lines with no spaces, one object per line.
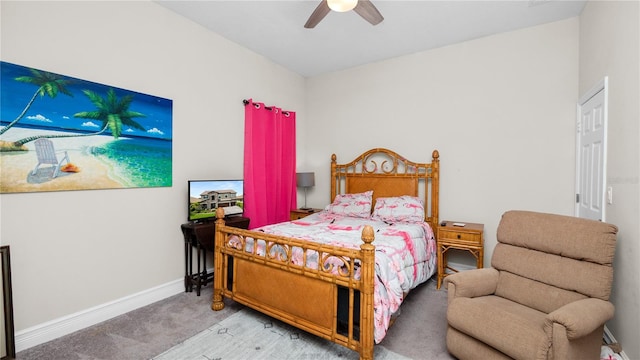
{"x":399,"y":209}
{"x":355,"y":205}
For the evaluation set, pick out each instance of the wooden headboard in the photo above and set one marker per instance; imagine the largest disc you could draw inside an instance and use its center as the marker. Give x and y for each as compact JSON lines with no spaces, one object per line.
{"x":389,"y":174}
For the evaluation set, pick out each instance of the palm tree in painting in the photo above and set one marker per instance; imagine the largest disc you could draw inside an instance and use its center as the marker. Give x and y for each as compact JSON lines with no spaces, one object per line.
{"x":48,"y":84}
{"x":111,"y":111}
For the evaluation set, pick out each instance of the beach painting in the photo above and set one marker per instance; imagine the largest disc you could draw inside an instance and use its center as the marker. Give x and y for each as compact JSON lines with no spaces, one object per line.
{"x":59,"y":133}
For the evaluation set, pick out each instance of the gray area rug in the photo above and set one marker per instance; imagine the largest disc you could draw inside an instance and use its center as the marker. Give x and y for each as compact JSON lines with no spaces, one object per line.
{"x":419,"y":332}
{"x":248,"y":334}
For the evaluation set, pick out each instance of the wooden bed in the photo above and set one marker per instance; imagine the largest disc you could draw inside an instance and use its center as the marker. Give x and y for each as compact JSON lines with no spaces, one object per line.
{"x":250,"y":278}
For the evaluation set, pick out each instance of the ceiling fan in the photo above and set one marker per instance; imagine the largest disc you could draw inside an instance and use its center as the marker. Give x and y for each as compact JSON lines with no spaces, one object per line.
{"x":364,"y":8}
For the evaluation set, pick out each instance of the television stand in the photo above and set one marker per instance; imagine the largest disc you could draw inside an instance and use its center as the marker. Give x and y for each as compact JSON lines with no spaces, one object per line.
{"x":200,"y":236}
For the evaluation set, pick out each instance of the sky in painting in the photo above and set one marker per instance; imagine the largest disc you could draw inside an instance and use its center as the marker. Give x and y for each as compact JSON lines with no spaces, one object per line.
{"x":57,"y":113}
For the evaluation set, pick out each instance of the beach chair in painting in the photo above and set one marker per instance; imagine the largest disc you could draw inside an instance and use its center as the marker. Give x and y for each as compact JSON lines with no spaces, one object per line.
{"x":47,"y":156}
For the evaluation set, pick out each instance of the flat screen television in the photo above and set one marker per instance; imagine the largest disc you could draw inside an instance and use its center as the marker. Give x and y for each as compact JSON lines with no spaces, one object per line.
{"x":206,"y":196}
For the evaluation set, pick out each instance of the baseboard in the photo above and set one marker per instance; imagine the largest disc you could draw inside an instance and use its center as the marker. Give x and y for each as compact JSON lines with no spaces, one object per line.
{"x":56,"y":328}
{"x":609,"y":339}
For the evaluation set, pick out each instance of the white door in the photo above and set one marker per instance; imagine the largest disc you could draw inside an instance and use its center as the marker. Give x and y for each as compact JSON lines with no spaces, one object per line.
{"x":591,"y":154}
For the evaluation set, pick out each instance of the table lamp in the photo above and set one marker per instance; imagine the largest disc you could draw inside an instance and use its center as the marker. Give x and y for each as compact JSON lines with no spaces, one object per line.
{"x":305,"y":180}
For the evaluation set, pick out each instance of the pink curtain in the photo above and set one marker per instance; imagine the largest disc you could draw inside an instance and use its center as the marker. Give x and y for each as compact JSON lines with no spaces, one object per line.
{"x":269,"y":164}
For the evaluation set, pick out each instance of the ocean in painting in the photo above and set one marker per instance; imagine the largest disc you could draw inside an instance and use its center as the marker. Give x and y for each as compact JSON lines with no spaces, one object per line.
{"x":139,"y":162}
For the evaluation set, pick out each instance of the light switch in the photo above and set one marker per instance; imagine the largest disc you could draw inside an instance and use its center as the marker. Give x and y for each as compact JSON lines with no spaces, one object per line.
{"x":609,"y":195}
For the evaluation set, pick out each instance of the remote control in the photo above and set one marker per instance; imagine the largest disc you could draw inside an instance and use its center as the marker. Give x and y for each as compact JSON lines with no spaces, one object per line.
{"x":458,"y":224}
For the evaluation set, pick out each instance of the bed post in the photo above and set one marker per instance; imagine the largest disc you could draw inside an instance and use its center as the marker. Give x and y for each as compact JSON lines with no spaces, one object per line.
{"x":435,"y":187}
{"x":334,"y":177}
{"x":367,"y":278}
{"x":218,"y":272}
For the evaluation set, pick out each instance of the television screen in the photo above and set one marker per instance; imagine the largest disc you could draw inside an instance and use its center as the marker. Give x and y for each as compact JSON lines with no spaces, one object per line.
{"x":205,"y":196}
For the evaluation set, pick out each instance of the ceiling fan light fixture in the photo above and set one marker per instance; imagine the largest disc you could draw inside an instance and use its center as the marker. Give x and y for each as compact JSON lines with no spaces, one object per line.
{"x":342,"y":5}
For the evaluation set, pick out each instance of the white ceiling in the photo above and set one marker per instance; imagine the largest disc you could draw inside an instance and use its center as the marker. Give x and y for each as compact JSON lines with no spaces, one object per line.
{"x":275,"y":29}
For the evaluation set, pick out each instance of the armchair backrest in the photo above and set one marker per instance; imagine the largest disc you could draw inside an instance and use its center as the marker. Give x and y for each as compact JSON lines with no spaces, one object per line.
{"x":546,"y":261}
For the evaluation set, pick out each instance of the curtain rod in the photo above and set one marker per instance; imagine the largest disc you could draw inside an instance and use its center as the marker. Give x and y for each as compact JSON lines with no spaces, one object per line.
{"x":246,"y":102}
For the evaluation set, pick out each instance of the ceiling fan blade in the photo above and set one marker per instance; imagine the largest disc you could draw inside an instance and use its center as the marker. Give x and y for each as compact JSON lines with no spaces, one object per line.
{"x":318,"y":14}
{"x":369,"y":12}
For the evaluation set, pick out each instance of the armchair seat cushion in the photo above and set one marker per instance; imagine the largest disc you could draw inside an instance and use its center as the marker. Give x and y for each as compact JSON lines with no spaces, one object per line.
{"x":509,"y":327}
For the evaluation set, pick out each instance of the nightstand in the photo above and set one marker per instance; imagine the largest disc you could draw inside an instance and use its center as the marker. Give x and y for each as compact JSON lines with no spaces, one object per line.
{"x":296,"y":214}
{"x":467,"y":238}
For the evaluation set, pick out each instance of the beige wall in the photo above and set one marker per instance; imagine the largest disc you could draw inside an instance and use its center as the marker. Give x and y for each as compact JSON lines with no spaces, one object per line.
{"x":72,"y":251}
{"x":610,"y":46}
{"x":500,"y":109}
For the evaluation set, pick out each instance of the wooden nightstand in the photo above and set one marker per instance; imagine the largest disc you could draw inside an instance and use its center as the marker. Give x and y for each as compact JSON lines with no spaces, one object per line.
{"x":468,"y":237}
{"x":296,"y":214}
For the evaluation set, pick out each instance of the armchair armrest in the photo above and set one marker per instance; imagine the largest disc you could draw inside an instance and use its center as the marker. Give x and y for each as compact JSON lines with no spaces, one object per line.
{"x":580,"y":317}
{"x":471,"y":283}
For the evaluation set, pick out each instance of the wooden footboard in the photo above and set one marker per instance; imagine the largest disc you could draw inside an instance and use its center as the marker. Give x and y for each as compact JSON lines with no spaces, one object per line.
{"x":306,"y":297}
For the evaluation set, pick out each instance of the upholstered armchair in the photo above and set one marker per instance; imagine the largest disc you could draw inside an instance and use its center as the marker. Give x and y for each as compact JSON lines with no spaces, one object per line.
{"x":545,"y":296}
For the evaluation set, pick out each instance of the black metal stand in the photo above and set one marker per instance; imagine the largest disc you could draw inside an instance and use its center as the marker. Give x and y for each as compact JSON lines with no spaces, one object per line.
{"x":201,"y":238}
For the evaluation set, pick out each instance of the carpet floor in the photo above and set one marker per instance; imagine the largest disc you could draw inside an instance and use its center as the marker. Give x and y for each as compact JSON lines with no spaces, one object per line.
{"x":145,"y":333}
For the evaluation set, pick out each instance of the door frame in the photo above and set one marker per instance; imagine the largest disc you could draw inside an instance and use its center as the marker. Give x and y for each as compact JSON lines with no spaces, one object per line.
{"x":603,"y":85}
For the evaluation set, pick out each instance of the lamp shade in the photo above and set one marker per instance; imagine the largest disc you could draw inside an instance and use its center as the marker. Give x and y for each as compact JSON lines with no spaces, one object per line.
{"x":342,"y":5}
{"x":305,"y":179}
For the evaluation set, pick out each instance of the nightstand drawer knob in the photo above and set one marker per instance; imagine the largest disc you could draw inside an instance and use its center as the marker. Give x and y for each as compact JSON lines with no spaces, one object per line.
{"x":458,"y":236}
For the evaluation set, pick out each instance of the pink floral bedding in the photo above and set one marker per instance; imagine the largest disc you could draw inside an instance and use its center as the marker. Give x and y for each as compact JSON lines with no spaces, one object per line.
{"x":405,"y":254}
